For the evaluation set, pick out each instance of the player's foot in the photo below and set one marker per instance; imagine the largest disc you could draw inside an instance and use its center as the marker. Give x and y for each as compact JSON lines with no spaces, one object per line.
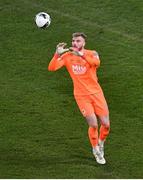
{"x":101,"y":147}
{"x":97,"y":154}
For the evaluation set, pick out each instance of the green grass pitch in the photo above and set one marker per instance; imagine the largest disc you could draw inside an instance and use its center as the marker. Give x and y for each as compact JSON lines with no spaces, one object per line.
{"x":42,"y":133}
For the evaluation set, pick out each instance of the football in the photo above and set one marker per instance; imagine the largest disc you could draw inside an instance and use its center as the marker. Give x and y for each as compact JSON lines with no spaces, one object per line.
{"x":43,"y":20}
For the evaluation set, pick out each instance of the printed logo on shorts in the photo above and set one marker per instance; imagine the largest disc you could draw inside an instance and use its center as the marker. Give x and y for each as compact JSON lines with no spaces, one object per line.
{"x":78,"y":69}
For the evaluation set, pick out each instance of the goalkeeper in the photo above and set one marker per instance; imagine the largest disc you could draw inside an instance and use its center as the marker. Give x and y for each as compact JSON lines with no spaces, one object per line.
{"x":82,"y":65}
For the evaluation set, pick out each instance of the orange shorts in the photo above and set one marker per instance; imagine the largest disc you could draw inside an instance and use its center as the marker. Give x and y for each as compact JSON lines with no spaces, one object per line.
{"x":93,"y":103}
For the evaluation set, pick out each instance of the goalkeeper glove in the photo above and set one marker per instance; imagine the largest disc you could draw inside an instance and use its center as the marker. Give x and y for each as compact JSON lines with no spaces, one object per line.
{"x":77,"y":53}
{"x":60,"y":49}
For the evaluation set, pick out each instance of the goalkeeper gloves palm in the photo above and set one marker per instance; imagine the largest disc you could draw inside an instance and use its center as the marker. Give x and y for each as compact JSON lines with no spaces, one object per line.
{"x":61,"y":48}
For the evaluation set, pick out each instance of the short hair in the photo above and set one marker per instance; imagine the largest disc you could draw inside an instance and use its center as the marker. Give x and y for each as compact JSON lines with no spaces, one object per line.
{"x":77,"y":34}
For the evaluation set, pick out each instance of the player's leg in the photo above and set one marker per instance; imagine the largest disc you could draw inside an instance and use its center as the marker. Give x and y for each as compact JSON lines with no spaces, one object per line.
{"x":104,"y":131}
{"x":105,"y":127}
{"x":93,"y":137}
{"x":87,"y":111}
{"x":93,"y":129}
{"x":101,"y":109}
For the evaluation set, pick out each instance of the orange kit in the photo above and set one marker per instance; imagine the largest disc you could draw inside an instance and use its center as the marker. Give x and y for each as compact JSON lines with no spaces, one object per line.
{"x":87,"y":91}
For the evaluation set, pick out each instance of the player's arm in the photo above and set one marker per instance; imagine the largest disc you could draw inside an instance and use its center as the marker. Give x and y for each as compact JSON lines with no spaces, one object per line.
{"x":92,"y":59}
{"x":58,"y":61}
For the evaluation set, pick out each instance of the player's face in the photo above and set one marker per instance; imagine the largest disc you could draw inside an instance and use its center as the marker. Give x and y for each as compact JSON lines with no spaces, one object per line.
{"x":78,"y":43}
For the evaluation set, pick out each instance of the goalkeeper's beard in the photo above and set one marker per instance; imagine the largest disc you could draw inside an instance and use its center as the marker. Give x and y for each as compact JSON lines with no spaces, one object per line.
{"x":77,"y":49}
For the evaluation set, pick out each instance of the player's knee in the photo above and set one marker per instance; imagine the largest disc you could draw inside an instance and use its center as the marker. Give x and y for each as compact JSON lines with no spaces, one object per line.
{"x":105,"y":121}
{"x":107,"y":124}
{"x":92,"y":121}
{"x":94,"y":125}
{"x":107,"y":127}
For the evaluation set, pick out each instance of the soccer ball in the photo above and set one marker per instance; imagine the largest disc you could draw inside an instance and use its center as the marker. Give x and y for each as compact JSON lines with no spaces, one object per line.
{"x":43,"y":20}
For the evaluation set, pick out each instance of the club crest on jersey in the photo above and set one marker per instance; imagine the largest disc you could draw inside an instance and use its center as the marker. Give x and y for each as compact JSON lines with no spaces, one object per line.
{"x":78,"y":69}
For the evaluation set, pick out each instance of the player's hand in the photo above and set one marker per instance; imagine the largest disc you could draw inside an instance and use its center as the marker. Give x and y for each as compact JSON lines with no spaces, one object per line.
{"x":75,"y":51}
{"x":60,"y":49}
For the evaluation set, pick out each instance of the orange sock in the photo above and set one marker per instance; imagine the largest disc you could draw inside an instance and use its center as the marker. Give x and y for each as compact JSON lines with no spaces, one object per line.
{"x":104,"y":131}
{"x":93,"y":136}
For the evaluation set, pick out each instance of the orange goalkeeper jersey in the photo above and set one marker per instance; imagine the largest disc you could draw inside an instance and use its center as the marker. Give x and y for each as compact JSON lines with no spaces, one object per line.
{"x":81,"y":69}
